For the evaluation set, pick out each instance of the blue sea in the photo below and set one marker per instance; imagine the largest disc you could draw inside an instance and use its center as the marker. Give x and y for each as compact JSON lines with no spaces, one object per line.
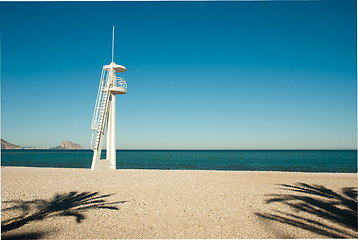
{"x":235,"y":160}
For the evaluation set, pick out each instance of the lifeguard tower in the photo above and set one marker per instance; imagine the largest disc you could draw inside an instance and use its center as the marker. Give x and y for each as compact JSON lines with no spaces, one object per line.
{"x":104,"y":115}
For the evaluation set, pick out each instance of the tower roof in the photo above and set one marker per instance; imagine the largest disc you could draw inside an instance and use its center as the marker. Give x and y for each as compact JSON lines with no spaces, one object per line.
{"x":116,"y":67}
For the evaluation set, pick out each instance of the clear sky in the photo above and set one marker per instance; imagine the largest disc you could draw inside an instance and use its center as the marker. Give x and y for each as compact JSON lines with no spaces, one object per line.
{"x":201,"y":75}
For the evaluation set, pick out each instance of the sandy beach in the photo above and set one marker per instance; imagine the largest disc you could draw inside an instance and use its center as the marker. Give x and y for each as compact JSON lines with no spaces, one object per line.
{"x":83,"y":204}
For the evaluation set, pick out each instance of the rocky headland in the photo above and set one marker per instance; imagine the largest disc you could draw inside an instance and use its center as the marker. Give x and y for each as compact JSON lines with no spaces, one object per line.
{"x":64,"y":145}
{"x":68,"y":145}
{"x":7,"y":145}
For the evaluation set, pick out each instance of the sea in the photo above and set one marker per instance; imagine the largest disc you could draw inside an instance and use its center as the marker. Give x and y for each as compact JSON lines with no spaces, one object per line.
{"x":344,"y":161}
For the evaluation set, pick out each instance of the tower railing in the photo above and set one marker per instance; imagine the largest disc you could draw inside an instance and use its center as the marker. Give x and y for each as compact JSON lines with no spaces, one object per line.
{"x":120,"y":84}
{"x":100,"y":111}
{"x":97,"y":107}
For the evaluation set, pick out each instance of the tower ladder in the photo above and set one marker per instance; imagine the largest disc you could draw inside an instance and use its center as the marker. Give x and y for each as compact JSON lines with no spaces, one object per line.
{"x":100,"y":114}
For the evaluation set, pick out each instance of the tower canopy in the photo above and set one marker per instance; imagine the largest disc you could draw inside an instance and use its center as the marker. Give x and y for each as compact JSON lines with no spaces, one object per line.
{"x":116,"y":67}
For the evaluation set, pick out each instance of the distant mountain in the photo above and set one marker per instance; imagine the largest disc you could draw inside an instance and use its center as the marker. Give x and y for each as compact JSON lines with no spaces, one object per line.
{"x":7,"y":145}
{"x":64,"y":145}
{"x":68,"y":145}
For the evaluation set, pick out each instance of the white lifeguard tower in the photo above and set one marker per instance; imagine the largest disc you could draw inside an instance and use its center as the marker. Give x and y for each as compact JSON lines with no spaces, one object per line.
{"x":105,"y":114}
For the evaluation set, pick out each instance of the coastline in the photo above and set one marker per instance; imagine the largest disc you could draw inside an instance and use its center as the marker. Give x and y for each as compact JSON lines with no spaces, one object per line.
{"x":194,"y":170}
{"x":143,"y":203}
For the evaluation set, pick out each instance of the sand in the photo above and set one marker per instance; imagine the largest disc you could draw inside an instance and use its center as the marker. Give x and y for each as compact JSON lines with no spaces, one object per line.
{"x":83,"y":204}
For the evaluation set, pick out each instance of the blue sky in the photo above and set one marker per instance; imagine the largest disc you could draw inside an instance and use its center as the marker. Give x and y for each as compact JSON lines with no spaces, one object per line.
{"x":201,"y":75}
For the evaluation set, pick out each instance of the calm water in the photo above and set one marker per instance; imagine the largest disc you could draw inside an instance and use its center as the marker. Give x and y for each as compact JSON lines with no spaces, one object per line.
{"x":253,"y":160}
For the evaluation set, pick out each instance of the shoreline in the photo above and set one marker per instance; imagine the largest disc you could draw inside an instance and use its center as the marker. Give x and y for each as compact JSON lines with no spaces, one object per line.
{"x":150,"y":169}
{"x":70,"y":203}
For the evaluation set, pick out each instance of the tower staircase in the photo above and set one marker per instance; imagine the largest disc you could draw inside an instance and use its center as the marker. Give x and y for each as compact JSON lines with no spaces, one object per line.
{"x":100,"y":114}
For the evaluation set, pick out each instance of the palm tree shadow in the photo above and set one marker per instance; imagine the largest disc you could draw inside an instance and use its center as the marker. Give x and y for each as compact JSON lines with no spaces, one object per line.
{"x":69,"y":204}
{"x":31,"y":235}
{"x":324,"y":211}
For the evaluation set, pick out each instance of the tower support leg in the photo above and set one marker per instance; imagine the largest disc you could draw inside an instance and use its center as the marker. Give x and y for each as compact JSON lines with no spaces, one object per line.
{"x":111,"y":133}
{"x":113,"y":140}
{"x":96,"y":160}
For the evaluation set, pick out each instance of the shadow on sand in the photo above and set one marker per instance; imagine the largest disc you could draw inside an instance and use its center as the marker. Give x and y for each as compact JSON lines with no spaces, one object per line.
{"x":324,"y":211}
{"x":70,"y":204}
{"x":31,"y":235}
